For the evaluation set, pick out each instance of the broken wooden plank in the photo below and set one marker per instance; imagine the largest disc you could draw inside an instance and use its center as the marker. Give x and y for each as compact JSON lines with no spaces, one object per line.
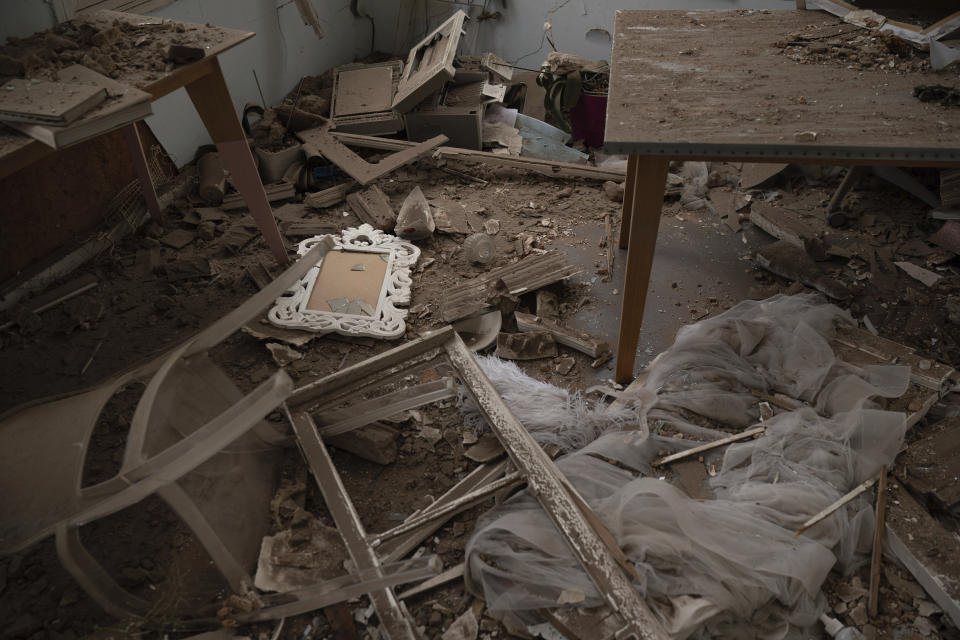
{"x":782,"y":225}
{"x":593,"y":553}
{"x":529,"y":274}
{"x":826,"y":511}
{"x":320,"y":141}
{"x":931,"y":464}
{"x":275,"y":192}
{"x":877,"y":554}
{"x":449,"y":575}
{"x":926,"y":373}
{"x":462,"y":503}
{"x":393,"y":618}
{"x":929,"y":552}
{"x":543,"y":167}
{"x":328,"y":197}
{"x":393,"y":550}
{"x":749,"y":433}
{"x":373,"y":207}
{"x":792,"y":263}
{"x":352,"y":585}
{"x":335,"y":422}
{"x":52,"y":298}
{"x":582,"y":342}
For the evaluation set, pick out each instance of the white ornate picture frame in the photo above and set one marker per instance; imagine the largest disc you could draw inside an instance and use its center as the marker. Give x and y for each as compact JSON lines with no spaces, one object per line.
{"x":386,"y":320}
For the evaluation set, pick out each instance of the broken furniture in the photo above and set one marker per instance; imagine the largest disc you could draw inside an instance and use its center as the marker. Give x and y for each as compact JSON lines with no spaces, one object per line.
{"x":730,"y":121}
{"x":363,"y":98}
{"x":208,"y":91}
{"x":893,"y":175}
{"x":582,"y":531}
{"x":920,"y":37}
{"x":195,"y":440}
{"x":359,"y":279}
{"x":321,"y":142}
{"x":430,"y":64}
{"x":456,"y":110}
{"x":549,"y":168}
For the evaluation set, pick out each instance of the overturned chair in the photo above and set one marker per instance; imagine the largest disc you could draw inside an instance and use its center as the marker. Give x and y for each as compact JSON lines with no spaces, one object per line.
{"x":196,"y":441}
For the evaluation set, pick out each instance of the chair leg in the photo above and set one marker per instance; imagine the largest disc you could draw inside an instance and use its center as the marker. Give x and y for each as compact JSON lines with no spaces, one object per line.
{"x":94,"y":579}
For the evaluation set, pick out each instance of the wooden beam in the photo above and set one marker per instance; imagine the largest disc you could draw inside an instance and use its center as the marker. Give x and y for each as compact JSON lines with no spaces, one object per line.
{"x":877,"y":556}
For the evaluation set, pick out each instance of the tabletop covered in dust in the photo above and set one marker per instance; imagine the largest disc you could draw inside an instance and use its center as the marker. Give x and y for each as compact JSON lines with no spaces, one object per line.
{"x":712,"y":83}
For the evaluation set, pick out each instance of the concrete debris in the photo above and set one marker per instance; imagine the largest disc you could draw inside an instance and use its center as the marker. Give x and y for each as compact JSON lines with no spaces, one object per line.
{"x":530,"y":345}
{"x":927,"y":277}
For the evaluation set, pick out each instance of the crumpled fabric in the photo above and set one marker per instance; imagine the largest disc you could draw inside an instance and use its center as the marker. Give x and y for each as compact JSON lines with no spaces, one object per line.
{"x":730,"y":566}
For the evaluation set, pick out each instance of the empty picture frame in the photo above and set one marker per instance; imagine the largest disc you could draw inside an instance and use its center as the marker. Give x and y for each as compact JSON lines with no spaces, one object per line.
{"x":356,"y":287}
{"x":430,"y":64}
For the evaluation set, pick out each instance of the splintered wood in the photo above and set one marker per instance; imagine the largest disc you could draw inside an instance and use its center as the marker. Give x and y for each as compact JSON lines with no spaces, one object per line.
{"x":529,"y":274}
{"x":320,"y":142}
{"x":591,"y":543}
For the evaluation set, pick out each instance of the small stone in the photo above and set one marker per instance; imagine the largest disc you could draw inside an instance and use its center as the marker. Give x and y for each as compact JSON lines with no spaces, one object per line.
{"x":953,"y":309}
{"x":492,"y":226}
{"x":566,"y":192}
{"x":282,"y":354}
{"x":926,"y":608}
{"x":924,"y":365}
{"x":564,"y":366}
{"x":436,"y":619}
{"x":463,"y":628}
{"x":805,"y":136}
{"x":859,"y":614}
{"x":840,"y":608}
{"x":207,"y":230}
{"x":613,"y":190}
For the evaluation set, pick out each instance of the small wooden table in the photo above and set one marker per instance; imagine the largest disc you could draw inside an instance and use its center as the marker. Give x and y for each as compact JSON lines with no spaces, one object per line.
{"x":714,"y":86}
{"x":208,"y":91}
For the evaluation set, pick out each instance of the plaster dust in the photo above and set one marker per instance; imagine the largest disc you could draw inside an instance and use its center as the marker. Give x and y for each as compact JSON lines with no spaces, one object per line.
{"x":148,"y":300}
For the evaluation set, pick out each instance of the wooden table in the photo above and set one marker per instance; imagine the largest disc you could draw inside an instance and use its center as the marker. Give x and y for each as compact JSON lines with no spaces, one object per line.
{"x":204,"y":83}
{"x":713,"y":86}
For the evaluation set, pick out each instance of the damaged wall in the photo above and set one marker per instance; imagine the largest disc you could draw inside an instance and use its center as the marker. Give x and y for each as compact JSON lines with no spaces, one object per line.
{"x":581,"y":27}
{"x":284,"y":50}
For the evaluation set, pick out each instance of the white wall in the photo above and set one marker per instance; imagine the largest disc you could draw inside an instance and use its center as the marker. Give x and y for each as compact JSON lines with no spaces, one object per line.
{"x":580,"y":27}
{"x":284,"y":50}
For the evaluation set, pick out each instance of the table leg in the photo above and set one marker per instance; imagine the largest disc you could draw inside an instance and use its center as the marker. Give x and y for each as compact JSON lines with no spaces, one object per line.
{"x":212,"y":100}
{"x":645,"y":205}
{"x":139,"y":157}
{"x":629,"y":192}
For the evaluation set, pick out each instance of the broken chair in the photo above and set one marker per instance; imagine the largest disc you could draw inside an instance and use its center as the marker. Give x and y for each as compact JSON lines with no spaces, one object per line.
{"x":195,"y":440}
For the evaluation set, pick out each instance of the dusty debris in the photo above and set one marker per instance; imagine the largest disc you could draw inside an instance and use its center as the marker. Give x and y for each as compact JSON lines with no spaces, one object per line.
{"x":927,"y":277}
{"x":373,"y":208}
{"x":529,"y":345}
{"x":479,"y":248}
{"x":575,"y":340}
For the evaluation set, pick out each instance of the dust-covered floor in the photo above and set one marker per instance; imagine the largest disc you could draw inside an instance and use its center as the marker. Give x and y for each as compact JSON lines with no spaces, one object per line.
{"x":143,"y":306}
